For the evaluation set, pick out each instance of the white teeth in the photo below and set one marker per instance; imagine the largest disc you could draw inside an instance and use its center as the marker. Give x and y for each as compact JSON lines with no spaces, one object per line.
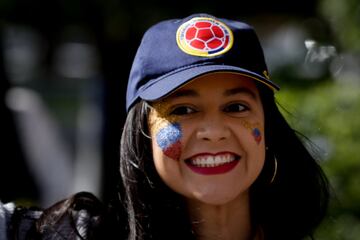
{"x":212,"y":161}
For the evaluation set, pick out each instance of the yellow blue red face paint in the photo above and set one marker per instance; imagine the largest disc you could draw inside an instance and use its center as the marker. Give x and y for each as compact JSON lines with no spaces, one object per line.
{"x":255,"y":131}
{"x":166,"y":130}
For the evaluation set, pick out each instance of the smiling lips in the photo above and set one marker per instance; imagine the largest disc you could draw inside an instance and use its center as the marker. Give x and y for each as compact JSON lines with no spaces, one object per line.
{"x":208,"y":164}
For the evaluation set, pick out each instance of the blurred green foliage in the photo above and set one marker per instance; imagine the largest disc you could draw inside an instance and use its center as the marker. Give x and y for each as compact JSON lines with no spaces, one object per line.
{"x":327,"y":111}
{"x":329,"y":115}
{"x":344,"y":18}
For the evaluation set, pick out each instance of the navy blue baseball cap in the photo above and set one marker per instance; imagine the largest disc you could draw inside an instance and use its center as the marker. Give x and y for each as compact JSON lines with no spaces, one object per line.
{"x":173,"y":52}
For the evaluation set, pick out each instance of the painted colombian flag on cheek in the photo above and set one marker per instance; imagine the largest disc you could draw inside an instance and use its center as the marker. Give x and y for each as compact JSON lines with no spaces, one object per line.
{"x":168,"y":138}
{"x":257,"y":135}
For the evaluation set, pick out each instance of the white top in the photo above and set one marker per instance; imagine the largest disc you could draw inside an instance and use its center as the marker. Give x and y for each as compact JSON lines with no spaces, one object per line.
{"x":6,"y":211}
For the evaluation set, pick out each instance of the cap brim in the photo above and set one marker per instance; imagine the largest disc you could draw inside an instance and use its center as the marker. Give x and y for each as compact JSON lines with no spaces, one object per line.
{"x":163,"y":86}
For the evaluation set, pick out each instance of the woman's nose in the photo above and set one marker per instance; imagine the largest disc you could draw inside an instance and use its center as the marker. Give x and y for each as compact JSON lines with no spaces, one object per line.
{"x":213,"y":129}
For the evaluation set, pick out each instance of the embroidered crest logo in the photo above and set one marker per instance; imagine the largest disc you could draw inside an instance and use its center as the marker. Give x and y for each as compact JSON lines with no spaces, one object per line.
{"x":205,"y":37}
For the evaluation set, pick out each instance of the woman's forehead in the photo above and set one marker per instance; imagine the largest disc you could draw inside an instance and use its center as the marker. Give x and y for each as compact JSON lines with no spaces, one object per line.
{"x":222,"y":82}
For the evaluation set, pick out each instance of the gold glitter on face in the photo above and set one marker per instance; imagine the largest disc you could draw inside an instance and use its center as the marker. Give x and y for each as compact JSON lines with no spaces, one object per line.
{"x":160,"y":116}
{"x":248,"y":125}
{"x":163,"y":111}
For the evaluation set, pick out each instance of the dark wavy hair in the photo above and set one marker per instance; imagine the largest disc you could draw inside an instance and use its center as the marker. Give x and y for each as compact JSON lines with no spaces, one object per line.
{"x":79,"y":216}
{"x":291,"y":207}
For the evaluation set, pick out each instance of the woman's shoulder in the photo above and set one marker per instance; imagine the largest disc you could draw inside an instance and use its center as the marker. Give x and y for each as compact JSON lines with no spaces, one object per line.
{"x":80,"y":215}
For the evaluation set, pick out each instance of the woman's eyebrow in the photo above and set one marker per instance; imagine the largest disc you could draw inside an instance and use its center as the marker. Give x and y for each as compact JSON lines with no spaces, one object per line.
{"x":184,"y":93}
{"x":240,"y":90}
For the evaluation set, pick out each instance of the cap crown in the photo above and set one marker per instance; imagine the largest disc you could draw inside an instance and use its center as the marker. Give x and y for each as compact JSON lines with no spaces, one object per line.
{"x":175,"y":51}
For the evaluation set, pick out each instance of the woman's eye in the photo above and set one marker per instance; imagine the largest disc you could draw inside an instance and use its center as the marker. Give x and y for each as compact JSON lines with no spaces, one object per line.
{"x":182,"y":110}
{"x":235,"y":107}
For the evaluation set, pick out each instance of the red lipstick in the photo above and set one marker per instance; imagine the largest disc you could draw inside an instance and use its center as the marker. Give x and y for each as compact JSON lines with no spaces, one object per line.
{"x":210,"y":164}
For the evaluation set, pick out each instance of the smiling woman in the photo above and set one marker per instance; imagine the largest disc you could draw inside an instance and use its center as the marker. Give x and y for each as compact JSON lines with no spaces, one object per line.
{"x":206,"y":154}
{"x":205,"y":151}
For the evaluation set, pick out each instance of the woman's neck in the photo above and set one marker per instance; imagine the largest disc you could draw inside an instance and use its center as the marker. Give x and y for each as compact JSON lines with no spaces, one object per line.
{"x":230,"y":221}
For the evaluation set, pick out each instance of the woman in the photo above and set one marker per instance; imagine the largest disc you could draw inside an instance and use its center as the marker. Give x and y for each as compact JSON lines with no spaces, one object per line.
{"x":205,"y":152}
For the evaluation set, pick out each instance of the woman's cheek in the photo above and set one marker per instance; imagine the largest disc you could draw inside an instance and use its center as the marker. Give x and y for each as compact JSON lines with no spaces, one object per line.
{"x":168,"y":138}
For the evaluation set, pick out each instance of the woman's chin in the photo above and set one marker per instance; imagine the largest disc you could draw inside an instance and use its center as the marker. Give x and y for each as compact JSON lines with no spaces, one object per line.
{"x":215,"y":198}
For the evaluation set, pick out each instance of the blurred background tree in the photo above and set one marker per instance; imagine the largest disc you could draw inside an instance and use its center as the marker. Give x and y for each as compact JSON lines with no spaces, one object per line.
{"x":325,"y":106}
{"x":64,"y":67}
